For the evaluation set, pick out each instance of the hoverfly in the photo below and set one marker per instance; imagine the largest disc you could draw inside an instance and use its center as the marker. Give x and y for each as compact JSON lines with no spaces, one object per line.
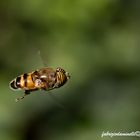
{"x":43,"y":79}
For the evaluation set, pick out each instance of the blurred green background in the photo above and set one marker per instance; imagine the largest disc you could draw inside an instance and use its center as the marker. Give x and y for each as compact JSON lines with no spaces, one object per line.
{"x":97,"y":42}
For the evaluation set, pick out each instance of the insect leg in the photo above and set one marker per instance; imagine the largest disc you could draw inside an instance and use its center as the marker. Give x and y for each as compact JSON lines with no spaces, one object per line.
{"x":57,"y":84}
{"x":21,"y":97}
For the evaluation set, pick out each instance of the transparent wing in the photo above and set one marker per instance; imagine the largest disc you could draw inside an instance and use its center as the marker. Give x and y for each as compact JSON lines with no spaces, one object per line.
{"x":60,"y":104}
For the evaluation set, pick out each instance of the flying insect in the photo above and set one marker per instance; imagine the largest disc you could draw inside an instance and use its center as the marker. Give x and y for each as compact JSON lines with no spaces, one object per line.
{"x":42,"y":79}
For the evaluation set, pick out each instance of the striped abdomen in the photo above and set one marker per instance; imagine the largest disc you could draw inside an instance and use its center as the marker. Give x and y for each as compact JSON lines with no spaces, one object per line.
{"x":24,"y":81}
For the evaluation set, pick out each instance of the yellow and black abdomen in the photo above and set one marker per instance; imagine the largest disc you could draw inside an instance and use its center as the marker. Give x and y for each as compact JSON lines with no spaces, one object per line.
{"x":15,"y":84}
{"x":24,"y":82}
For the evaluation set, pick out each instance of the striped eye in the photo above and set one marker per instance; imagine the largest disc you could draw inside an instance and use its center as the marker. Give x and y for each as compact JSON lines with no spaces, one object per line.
{"x":60,"y":70}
